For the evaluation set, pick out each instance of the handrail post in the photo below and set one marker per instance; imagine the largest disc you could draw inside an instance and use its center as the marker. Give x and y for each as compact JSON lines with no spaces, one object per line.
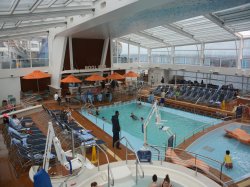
{"x":221,"y":167}
{"x":195,"y":164}
{"x":73,"y":144}
{"x":136,"y":172}
{"x":126,"y":152}
{"x":108,"y":177}
{"x":98,"y":158}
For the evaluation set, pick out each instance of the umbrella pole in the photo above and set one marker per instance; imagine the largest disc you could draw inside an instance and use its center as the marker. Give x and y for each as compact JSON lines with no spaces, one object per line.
{"x":37,"y":83}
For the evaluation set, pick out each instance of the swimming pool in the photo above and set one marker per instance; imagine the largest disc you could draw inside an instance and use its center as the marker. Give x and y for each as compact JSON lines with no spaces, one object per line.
{"x":181,"y":123}
{"x":214,"y":145}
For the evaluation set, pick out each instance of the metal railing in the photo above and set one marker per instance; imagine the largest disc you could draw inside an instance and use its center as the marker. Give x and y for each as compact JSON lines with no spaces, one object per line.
{"x":195,"y":164}
{"x":134,"y":153}
{"x":110,"y":174}
{"x":202,"y":128}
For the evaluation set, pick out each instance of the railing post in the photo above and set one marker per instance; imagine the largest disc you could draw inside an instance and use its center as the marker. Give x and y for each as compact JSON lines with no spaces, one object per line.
{"x":108,"y":177}
{"x":136,"y":171}
{"x":195,"y":164}
{"x":98,"y":158}
{"x":73,"y":144}
{"x":126,"y":152}
{"x":221,"y":167}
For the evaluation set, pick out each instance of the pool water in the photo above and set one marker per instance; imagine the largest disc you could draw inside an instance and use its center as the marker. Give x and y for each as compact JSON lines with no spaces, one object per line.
{"x":181,"y":123}
{"x":218,"y":144}
{"x":143,"y":182}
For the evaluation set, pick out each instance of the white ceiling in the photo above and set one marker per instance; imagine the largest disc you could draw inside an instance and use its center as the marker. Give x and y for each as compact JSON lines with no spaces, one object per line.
{"x":148,"y":23}
{"x":27,"y":16}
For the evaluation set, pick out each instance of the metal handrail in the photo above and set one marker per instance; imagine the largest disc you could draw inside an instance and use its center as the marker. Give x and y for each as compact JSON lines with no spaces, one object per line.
{"x":110,"y":174}
{"x":203,"y":128}
{"x":137,"y":159}
{"x":195,"y":155}
{"x":159,"y":152}
{"x":195,"y":130}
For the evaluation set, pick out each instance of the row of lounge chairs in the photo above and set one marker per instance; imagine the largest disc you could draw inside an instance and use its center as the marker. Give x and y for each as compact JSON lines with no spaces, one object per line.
{"x":26,"y":145}
{"x":197,"y":94}
{"x":81,"y":135}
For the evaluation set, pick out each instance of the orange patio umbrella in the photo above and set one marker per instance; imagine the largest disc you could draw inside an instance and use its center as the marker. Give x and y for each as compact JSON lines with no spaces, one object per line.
{"x":36,"y":74}
{"x":115,"y":76}
{"x":131,"y":74}
{"x":95,"y":77}
{"x":71,"y":79}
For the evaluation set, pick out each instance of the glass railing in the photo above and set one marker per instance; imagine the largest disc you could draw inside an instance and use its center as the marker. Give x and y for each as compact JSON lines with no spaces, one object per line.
{"x":6,"y":63}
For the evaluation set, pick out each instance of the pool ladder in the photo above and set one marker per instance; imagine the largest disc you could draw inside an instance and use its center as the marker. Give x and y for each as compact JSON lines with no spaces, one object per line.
{"x":138,"y":163}
{"x":162,"y":157}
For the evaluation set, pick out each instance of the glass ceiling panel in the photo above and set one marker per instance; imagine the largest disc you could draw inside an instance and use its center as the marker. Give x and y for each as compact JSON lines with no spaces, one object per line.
{"x":45,"y":2}
{"x":25,"y":5}
{"x":5,"y":5}
{"x":58,"y":2}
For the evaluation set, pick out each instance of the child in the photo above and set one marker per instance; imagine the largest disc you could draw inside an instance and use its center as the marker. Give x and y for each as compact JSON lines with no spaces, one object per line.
{"x":228,"y":160}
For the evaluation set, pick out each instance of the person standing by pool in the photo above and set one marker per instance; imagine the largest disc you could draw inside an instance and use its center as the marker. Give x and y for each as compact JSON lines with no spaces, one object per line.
{"x":228,"y":160}
{"x":116,"y":129}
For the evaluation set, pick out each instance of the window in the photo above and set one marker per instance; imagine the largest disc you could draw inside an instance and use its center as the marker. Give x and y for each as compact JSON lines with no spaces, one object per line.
{"x":187,"y":54}
{"x":143,"y":55}
{"x":246,"y":54}
{"x":161,"y":55}
{"x":24,"y":53}
{"x":223,"y":54}
{"x":133,"y":53}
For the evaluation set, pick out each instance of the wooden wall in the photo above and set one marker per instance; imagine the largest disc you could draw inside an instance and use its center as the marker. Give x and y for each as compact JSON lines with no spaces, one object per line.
{"x":86,"y":52}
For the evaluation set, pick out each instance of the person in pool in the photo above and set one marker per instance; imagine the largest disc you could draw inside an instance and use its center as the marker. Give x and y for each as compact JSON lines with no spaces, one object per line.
{"x":228,"y":160}
{"x":134,"y":117}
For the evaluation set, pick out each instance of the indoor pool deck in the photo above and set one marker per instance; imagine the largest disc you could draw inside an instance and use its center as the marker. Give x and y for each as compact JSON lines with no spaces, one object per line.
{"x":8,"y":178}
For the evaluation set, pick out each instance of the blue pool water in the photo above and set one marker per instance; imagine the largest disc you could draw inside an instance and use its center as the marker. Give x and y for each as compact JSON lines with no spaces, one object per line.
{"x":215,"y":144}
{"x":181,"y":123}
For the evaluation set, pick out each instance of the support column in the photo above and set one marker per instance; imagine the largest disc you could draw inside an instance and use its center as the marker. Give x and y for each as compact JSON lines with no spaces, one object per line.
{"x":71,"y":54}
{"x":57,"y":54}
{"x":104,"y":52}
{"x":111,"y":53}
{"x":149,"y":56}
{"x":172,"y":54}
{"x":202,"y":54}
{"x":240,"y":54}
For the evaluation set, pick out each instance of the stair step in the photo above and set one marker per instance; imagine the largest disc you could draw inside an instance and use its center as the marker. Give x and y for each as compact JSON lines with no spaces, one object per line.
{"x":121,"y":172}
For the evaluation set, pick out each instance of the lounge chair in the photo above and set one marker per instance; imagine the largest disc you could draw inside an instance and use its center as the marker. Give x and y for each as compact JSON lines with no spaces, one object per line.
{"x":239,"y":134}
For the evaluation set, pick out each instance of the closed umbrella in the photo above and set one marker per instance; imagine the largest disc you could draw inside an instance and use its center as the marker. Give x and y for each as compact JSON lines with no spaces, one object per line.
{"x":37,"y":75}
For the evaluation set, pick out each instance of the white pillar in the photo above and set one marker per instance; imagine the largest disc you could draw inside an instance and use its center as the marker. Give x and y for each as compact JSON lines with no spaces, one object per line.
{"x":104,"y":52}
{"x":172,"y":54}
{"x":149,"y":56}
{"x":57,"y":54}
{"x":202,"y":54}
{"x":240,"y":54}
{"x":71,"y":54}
{"x":111,"y":52}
